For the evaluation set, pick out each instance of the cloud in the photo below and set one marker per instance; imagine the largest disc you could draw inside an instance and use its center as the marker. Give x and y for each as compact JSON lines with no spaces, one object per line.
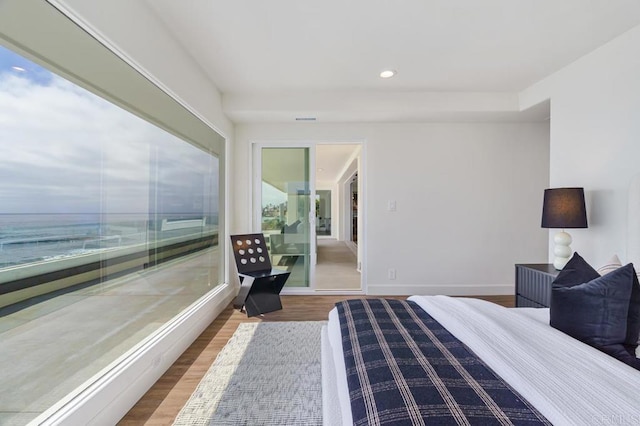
{"x":66,"y":150}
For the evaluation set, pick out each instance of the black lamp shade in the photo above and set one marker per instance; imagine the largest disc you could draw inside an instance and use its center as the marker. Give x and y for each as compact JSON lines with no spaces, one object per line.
{"x":564,"y":208}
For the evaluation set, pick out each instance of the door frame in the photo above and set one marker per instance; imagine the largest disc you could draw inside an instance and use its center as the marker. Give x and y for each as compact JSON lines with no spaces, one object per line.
{"x":346,"y":212}
{"x":255,"y":212}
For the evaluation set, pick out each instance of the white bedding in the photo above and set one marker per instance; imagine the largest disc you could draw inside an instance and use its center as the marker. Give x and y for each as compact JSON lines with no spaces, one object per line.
{"x":569,"y":382}
{"x":335,"y":339}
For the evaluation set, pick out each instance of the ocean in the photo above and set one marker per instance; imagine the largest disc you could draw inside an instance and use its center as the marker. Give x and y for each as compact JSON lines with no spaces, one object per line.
{"x":27,"y":238}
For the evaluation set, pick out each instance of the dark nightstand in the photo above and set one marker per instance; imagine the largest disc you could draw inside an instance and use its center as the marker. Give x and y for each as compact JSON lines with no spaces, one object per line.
{"x":533,"y":284}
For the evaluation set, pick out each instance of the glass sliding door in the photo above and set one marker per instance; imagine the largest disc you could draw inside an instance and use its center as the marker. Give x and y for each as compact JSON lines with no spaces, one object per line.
{"x":287,"y":218}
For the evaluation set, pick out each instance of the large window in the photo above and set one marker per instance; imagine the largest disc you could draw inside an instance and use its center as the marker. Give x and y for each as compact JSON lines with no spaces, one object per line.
{"x":108,"y":229}
{"x":80,"y":175}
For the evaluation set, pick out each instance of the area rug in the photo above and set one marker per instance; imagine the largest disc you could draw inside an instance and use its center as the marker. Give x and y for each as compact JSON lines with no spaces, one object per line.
{"x":267,"y":374}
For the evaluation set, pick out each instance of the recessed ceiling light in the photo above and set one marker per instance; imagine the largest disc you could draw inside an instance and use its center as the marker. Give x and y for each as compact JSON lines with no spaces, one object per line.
{"x":19,"y":69}
{"x":387,"y":73}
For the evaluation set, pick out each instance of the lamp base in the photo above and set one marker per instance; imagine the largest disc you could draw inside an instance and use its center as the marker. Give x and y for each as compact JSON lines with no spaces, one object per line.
{"x":562,"y":249}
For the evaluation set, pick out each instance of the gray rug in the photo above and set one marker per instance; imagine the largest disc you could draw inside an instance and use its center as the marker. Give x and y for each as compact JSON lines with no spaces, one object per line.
{"x":267,"y":374}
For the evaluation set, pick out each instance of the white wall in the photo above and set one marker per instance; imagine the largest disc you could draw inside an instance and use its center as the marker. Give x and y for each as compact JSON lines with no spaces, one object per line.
{"x":595,"y":138}
{"x":468,"y":200}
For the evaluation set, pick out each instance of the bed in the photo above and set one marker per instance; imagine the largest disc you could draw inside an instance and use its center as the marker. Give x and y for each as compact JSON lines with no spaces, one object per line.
{"x":561,"y":378}
{"x":555,"y":379}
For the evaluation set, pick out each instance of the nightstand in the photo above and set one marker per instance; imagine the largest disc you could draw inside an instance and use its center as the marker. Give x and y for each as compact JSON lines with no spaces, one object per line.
{"x":533,"y":284}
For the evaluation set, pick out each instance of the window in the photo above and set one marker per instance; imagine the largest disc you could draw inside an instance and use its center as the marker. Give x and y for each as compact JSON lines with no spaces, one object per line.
{"x":109,"y":228}
{"x":79,"y":175}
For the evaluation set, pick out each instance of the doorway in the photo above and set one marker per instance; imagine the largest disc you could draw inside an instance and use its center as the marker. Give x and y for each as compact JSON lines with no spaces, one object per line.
{"x":303,"y":207}
{"x":337,"y":267}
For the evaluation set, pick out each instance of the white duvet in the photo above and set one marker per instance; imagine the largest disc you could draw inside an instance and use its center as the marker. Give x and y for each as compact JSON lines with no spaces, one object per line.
{"x":569,"y":382}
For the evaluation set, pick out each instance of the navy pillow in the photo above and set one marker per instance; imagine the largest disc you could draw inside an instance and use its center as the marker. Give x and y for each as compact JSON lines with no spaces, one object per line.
{"x":594,"y":312}
{"x":576,"y":271}
{"x":633,"y":319}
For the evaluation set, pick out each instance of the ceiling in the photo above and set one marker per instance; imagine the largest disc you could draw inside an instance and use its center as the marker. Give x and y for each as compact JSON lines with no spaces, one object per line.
{"x":298,"y":49}
{"x":333,"y":160}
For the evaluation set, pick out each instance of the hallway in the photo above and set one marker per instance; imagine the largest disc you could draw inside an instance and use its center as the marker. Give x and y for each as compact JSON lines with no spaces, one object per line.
{"x":336,"y":267}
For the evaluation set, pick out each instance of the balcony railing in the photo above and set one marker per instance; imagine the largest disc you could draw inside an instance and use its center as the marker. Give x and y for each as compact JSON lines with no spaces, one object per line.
{"x":22,"y":282}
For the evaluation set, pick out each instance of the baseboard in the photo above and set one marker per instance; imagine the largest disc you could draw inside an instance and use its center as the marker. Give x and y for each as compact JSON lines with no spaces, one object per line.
{"x":353,"y":247}
{"x":449,"y":290}
{"x":109,"y":395}
{"x":338,"y":292}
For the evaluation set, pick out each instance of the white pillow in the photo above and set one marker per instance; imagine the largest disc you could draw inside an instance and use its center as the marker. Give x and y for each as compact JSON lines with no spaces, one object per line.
{"x":613,"y":264}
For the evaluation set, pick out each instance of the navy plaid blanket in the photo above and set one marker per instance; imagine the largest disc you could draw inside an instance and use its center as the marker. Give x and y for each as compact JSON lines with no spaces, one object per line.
{"x":404,"y":368}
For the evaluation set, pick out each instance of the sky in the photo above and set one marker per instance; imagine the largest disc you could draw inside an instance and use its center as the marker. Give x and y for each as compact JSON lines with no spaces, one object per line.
{"x":272,"y":196}
{"x":66,"y":150}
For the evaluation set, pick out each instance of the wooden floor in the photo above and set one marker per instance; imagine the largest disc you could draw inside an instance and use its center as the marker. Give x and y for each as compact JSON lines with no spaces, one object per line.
{"x":161,"y":404}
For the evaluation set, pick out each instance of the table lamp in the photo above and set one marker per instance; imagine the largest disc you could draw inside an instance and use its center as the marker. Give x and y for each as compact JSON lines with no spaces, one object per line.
{"x":563,"y":208}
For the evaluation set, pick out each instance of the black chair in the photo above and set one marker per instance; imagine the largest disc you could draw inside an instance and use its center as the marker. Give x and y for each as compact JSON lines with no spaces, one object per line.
{"x":260,"y":284}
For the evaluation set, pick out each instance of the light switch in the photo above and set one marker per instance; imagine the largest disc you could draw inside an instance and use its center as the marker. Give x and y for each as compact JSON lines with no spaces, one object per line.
{"x":392,"y":205}
{"x":392,"y":274}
